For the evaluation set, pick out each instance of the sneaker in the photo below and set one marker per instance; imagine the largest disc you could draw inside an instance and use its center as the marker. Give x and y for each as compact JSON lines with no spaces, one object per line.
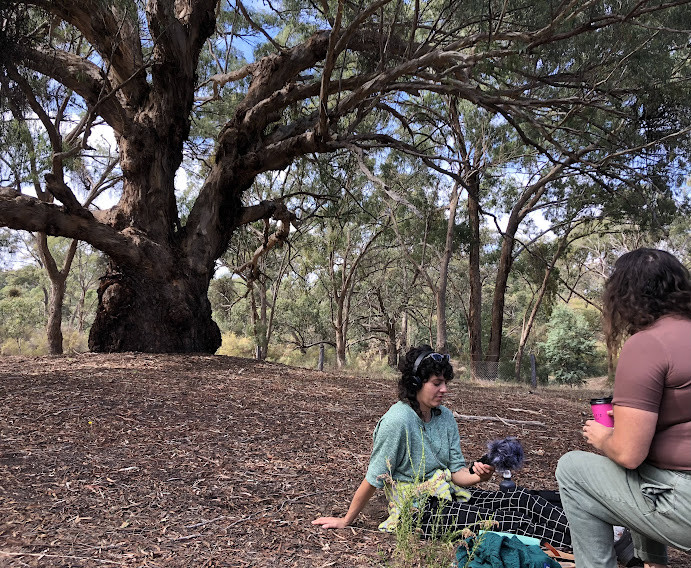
{"x":623,"y":546}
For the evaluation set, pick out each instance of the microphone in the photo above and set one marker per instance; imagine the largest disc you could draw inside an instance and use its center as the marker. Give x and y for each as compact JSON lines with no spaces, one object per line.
{"x":504,"y":454}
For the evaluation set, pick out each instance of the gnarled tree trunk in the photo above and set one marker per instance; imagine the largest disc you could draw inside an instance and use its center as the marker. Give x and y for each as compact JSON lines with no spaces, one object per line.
{"x":154,"y":312}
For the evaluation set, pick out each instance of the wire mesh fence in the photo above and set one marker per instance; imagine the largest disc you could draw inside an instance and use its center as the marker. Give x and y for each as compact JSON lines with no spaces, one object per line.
{"x":484,"y":370}
{"x":503,"y":370}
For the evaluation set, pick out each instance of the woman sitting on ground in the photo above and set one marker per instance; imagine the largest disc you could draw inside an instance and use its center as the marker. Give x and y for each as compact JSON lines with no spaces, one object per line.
{"x":643,"y":480}
{"x":417,"y":448}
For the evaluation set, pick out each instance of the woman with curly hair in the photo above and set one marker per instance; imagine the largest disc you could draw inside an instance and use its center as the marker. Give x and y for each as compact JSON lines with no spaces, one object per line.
{"x":416,"y":456}
{"x":643,"y":480}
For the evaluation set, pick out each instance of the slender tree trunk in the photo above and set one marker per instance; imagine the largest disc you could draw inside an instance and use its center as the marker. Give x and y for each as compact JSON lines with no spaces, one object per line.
{"x":441,"y":319}
{"x":505,"y":261}
{"x":80,"y":311}
{"x":58,"y":283}
{"x":263,"y":327}
{"x":611,"y":367}
{"x":501,"y":281}
{"x":474,"y":279}
{"x":444,"y":271}
{"x":260,"y":328}
{"x":527,"y":328}
{"x":340,"y":348}
{"x":342,"y":288}
{"x":54,"y":325}
{"x":340,"y":317}
{"x":403,"y":335}
{"x":320,"y":363}
{"x":391,"y":347}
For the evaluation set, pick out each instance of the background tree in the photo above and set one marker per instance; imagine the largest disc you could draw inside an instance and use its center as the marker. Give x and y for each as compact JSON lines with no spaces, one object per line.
{"x":260,"y":262}
{"x":388,"y":300}
{"x":347,"y":236}
{"x":30,"y":153}
{"x":22,"y":306}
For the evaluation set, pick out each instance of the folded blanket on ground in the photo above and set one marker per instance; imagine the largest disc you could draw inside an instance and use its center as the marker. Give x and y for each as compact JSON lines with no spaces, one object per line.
{"x":494,"y":550}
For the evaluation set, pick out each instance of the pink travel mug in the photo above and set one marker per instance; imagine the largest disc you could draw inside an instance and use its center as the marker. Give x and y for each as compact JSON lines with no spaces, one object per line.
{"x":600,"y":408}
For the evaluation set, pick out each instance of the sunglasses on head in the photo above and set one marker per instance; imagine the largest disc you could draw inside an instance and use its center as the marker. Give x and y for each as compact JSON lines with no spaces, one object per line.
{"x":436,"y":357}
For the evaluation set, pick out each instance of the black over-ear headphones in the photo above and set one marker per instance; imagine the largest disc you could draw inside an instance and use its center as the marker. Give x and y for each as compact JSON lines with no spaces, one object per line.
{"x":417,"y":381}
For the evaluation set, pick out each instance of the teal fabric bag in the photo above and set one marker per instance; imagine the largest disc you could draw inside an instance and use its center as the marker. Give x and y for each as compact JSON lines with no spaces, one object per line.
{"x":494,"y":550}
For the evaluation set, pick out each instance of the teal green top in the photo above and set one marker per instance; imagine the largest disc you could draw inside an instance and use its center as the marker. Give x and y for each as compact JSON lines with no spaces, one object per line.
{"x":408,"y":449}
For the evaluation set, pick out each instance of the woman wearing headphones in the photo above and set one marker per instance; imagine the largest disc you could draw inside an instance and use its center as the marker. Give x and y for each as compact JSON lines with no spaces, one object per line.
{"x":417,"y":451}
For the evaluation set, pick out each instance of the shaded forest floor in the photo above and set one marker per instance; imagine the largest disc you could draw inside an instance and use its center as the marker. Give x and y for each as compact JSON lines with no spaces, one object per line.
{"x":138,"y":460}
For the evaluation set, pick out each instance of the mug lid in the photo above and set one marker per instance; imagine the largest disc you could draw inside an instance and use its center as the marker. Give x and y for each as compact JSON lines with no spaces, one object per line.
{"x":604,"y":400}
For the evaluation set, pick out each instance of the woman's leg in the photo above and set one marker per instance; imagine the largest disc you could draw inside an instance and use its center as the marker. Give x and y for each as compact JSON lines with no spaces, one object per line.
{"x":545,"y":521}
{"x":597,"y":493}
{"x":442,"y":517}
{"x":516,"y":512}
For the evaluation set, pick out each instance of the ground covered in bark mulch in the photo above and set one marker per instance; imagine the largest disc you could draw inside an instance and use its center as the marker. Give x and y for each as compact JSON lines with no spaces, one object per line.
{"x":138,"y":460}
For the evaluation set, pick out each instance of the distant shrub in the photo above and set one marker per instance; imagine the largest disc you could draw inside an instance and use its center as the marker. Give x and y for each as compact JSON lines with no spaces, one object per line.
{"x":11,"y":347}
{"x":371,"y":363}
{"x":570,"y":347}
{"x":36,"y":344}
{"x":33,"y":343}
{"x":75,"y":342}
{"x":236,"y":346}
{"x":289,"y":355}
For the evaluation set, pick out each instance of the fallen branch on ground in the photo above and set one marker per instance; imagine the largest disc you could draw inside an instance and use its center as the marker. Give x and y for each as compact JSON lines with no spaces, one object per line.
{"x":62,"y":556}
{"x":504,"y":420}
{"x":204,"y":523}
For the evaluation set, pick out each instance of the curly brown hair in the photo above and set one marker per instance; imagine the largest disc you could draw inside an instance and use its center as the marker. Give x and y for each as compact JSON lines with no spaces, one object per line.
{"x":408,"y":386}
{"x":646,"y":284}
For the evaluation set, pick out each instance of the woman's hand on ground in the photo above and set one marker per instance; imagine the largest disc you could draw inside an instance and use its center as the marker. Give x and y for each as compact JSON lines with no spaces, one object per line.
{"x":331,"y":522}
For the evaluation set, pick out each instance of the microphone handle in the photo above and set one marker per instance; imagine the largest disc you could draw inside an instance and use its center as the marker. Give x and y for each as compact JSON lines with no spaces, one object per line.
{"x":483,"y":459}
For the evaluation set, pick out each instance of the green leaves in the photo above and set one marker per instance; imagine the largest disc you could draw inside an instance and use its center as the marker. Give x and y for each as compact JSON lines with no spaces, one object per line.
{"x":570,"y":347}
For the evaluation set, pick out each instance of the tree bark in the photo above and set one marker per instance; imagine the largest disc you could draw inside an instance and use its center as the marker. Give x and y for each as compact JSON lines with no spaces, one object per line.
{"x":340,"y":348}
{"x":391,"y":346}
{"x":54,"y":324}
{"x":263,"y":331}
{"x":403,"y":335}
{"x":474,"y":279}
{"x":153,"y":311}
{"x":58,"y":284}
{"x":499,"y":299}
{"x":444,"y":262}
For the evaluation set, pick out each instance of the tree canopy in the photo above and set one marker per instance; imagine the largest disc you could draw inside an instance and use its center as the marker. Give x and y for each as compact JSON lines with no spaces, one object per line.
{"x":589,"y":90}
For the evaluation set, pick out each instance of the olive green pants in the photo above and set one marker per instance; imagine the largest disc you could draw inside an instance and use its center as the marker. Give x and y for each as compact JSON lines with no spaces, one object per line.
{"x":598,"y":494}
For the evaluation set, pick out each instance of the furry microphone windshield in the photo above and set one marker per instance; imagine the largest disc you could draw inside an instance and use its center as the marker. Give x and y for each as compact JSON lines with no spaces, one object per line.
{"x":504,"y":455}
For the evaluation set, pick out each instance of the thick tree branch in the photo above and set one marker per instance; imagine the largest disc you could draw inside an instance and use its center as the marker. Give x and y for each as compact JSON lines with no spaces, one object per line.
{"x":113,"y":29}
{"x":30,"y":214}
{"x":80,"y":75}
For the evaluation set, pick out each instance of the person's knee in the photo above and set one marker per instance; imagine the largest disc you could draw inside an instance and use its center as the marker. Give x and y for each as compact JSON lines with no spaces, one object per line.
{"x":567,"y":464}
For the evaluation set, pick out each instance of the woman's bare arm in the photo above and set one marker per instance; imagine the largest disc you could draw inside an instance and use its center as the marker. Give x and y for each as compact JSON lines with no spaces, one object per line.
{"x":360,"y":499}
{"x":628,"y":443}
{"x":464,"y":478}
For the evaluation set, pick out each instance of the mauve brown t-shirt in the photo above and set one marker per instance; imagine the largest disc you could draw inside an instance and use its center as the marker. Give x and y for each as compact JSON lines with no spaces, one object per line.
{"x":654,"y":374}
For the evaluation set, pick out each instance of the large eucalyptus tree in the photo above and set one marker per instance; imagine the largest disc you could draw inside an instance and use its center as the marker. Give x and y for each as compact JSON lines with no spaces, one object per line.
{"x":313,"y":78}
